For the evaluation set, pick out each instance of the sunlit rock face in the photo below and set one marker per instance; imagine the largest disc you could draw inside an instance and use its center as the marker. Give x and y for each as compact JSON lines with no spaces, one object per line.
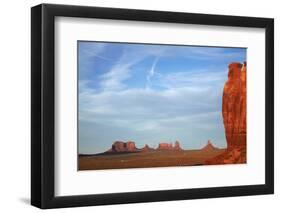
{"x":234,"y":106}
{"x":165,"y":146}
{"x":130,"y":145}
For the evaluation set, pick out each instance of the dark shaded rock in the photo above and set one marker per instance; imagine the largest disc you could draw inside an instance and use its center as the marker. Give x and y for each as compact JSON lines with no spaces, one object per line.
{"x":177,"y":146}
{"x":120,"y":146}
{"x":146,"y":148}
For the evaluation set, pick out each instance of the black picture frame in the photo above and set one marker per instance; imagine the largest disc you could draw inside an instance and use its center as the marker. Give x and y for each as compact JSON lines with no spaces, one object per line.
{"x":43,"y":102}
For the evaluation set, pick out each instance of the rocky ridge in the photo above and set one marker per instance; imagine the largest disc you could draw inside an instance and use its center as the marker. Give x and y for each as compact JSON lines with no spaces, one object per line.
{"x":130,"y":146}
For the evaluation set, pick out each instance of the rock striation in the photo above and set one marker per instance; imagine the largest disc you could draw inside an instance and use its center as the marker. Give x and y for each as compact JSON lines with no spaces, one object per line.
{"x":234,"y":116}
{"x":234,"y":106}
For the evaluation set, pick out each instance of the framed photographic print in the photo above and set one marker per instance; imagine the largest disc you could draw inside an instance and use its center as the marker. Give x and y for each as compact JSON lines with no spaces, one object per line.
{"x":139,"y":106}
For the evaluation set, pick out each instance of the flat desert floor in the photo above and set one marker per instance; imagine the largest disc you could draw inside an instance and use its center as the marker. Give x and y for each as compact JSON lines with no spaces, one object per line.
{"x":146,"y":159}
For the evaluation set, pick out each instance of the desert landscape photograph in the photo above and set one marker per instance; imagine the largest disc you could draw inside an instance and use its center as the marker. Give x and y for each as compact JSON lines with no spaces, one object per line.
{"x":160,"y":105}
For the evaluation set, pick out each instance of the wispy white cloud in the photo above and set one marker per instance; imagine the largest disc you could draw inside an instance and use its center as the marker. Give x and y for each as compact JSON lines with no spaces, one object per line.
{"x":140,"y":108}
{"x":114,"y":78}
{"x":206,"y":53}
{"x":91,"y":50}
{"x":194,"y":79}
{"x":151,"y":72}
{"x":119,"y":72}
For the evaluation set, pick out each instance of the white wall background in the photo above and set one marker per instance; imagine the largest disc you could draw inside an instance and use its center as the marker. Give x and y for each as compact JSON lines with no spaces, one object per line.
{"x":15,"y":105}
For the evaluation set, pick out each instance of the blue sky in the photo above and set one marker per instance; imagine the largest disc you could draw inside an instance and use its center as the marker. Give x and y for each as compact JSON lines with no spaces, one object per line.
{"x":151,"y":93}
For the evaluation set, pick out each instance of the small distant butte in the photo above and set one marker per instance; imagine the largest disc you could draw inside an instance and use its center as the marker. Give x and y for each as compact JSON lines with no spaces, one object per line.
{"x":119,"y":147}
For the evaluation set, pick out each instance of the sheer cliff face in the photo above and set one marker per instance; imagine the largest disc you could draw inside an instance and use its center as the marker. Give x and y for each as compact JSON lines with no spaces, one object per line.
{"x":234,"y":106}
{"x":234,"y":116}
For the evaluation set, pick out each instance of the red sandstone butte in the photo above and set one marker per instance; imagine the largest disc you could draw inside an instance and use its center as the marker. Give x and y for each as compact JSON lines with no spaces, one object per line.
{"x":169,"y":146}
{"x":234,"y":106}
{"x":120,"y":146}
{"x":130,"y":145}
{"x":165,"y":146}
{"x":234,"y":116}
{"x":209,"y":147}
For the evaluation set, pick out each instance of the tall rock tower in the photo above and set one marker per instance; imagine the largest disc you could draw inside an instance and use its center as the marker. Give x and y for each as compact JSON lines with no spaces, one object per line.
{"x":234,"y":105}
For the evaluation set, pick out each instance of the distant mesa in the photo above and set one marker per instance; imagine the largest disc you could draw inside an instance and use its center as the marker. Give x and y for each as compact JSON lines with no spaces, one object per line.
{"x":120,"y":146}
{"x":169,"y":146}
{"x":165,"y":146}
{"x":130,"y":147}
{"x":209,"y":147}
